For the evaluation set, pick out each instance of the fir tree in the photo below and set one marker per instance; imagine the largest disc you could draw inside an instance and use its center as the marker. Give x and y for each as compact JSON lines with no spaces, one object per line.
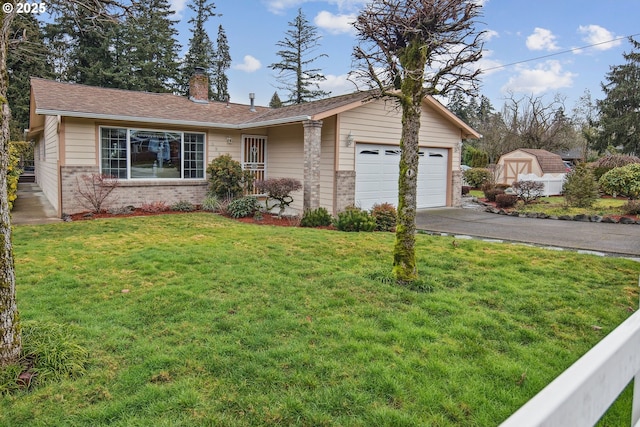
{"x":294,"y":72}
{"x":27,"y":58}
{"x":153,"y":49}
{"x":222,"y":62}
{"x":275,"y":101}
{"x":200,"y":52}
{"x":620,"y":110}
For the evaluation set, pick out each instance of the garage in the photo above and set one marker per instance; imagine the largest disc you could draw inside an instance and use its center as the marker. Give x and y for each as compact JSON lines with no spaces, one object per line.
{"x":377,"y":176}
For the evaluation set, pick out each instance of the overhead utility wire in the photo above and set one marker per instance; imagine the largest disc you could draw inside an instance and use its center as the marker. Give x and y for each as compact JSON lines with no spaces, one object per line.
{"x":559,"y":53}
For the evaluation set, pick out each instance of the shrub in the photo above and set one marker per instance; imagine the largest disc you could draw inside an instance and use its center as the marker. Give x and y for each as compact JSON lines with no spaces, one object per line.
{"x":93,"y":190}
{"x":612,"y":161}
{"x":491,"y":194}
{"x":154,"y":207}
{"x":580,"y":187}
{"x":211,"y":203}
{"x":355,"y":219}
{"x":465,"y":190}
{"x":243,"y":207}
{"x":278,"y":189}
{"x":183,"y":206}
{"x":506,"y":200}
{"x":528,"y":191}
{"x":319,"y":217}
{"x":475,"y":177}
{"x":622,"y":181}
{"x":227,"y":179}
{"x":13,"y":173}
{"x":122,"y":210}
{"x":385,"y":216}
{"x":632,"y":207}
{"x":475,"y":157}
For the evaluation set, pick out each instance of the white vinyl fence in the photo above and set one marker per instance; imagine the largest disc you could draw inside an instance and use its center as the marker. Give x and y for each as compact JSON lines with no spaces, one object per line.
{"x":584,"y":392}
{"x":552,"y":183}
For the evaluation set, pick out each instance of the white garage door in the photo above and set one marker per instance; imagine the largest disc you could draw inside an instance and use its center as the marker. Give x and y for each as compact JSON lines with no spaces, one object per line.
{"x":377,"y":176}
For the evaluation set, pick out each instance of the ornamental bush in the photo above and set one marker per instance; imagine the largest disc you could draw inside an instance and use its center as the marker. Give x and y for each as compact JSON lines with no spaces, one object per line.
{"x":227,"y":179}
{"x":278,"y":189}
{"x":355,"y":219}
{"x":475,"y":177}
{"x":612,"y":161}
{"x":580,"y":187}
{"x":319,"y":217}
{"x":385,"y":216}
{"x":13,"y":174}
{"x":623,"y":181}
{"x":506,"y":200}
{"x":491,"y":193}
{"x":528,"y":191}
{"x":243,"y":207}
{"x":183,"y":206}
{"x":632,"y":207}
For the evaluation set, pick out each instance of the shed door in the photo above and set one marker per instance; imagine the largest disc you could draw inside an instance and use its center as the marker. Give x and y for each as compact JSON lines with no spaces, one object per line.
{"x":377,"y":176}
{"x":515,"y":167}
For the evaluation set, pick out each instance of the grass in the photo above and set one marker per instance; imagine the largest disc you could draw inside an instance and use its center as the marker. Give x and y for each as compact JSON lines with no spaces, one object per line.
{"x":555,"y":205}
{"x":196,"y":320}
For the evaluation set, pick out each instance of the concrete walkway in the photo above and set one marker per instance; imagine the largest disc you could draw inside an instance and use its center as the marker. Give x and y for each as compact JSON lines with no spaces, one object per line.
{"x":32,"y":207}
{"x":614,"y":239}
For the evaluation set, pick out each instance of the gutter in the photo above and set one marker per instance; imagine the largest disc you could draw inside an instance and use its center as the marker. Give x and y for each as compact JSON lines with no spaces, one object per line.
{"x":239,"y":126}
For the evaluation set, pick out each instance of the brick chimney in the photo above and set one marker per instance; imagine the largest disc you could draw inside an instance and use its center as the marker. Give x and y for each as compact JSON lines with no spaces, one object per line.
{"x":199,"y":86}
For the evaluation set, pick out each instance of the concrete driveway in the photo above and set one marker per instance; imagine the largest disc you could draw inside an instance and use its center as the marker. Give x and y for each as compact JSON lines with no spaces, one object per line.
{"x":614,"y":239}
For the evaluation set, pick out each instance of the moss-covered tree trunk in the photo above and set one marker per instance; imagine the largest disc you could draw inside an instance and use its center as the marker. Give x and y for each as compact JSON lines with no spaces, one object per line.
{"x":412,"y":92}
{"x":10,"y":340}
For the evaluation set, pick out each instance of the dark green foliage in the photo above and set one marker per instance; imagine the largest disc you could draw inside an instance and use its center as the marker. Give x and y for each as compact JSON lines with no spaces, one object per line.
{"x":623,"y":181}
{"x":275,"y":101}
{"x":293,"y":70}
{"x":27,"y":57}
{"x":183,"y":206}
{"x":608,"y":162}
{"x":385,"y":216}
{"x":200,"y":51}
{"x":475,"y":177}
{"x":620,"y":110}
{"x":528,"y":191}
{"x":243,"y":207}
{"x":221,"y":63}
{"x":319,"y":217}
{"x":580,"y":187}
{"x":632,"y":207}
{"x":355,"y":219}
{"x":474,"y":157}
{"x":227,"y":179}
{"x":506,"y":200}
{"x":211,"y":203}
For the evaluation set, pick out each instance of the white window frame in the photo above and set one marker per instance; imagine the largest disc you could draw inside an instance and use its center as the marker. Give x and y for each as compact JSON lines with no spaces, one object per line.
{"x":128,"y":131}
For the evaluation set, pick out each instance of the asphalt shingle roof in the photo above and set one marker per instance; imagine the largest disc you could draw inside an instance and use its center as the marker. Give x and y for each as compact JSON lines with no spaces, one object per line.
{"x":549,"y":162}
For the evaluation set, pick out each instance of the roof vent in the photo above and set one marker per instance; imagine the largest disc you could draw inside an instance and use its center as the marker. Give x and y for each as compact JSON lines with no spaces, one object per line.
{"x":252,"y":97}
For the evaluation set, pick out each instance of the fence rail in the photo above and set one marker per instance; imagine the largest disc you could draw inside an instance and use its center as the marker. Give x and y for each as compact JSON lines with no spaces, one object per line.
{"x":584,"y":392}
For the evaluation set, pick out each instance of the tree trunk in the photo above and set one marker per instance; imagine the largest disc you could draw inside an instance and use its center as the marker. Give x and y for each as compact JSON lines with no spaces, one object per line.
{"x":10,"y":339}
{"x":404,"y":257}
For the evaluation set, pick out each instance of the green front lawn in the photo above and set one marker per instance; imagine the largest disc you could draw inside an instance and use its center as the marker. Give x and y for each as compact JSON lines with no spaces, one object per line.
{"x":197,"y":320}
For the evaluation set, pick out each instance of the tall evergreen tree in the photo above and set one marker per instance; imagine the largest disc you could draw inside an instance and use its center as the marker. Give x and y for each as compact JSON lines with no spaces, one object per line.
{"x":221,"y":62}
{"x":200,"y":52}
{"x":620,"y":110}
{"x":27,"y":58}
{"x":296,"y":57}
{"x":153,"y":49}
{"x":275,"y":101}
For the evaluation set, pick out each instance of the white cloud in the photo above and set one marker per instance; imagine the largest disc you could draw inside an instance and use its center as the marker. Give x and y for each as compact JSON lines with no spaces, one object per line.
{"x":249,"y":65}
{"x":488,"y":65}
{"x":546,"y":77}
{"x":278,"y":6}
{"x":335,"y":24}
{"x":542,"y":39}
{"x":337,"y":85}
{"x":597,"y":35}
{"x":177,"y":6}
{"x":489,"y":35}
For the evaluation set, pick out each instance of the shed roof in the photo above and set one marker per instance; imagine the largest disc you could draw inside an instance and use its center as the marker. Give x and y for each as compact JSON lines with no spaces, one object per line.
{"x":549,"y":162}
{"x":50,"y":97}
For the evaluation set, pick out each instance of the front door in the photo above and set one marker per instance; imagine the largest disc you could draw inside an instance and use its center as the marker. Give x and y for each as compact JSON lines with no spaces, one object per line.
{"x":254,"y":155}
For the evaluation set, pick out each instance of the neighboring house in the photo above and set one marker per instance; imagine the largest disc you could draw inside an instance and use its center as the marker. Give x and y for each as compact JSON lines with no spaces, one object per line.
{"x":533,"y":165}
{"x":345,"y":149}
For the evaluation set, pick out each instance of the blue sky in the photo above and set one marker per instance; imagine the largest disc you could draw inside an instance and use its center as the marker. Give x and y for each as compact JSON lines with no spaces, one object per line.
{"x":517,"y":30}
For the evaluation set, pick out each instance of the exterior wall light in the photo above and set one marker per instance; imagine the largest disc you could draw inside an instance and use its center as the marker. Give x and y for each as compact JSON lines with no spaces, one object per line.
{"x":229,"y":140}
{"x":350,"y":139}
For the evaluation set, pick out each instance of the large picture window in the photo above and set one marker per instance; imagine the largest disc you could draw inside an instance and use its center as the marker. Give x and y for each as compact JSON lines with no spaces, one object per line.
{"x":151,"y":154}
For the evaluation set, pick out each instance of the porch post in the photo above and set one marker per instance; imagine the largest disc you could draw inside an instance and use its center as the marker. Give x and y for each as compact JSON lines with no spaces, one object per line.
{"x":312,"y":142}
